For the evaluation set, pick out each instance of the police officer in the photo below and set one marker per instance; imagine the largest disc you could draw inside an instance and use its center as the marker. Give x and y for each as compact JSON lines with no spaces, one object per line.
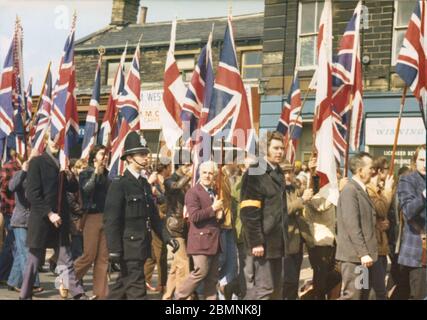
{"x":129,"y":215}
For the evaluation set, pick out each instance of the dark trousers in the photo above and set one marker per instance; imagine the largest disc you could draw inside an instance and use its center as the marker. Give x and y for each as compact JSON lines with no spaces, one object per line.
{"x":415,"y":278}
{"x":397,"y":285}
{"x":291,"y":273}
{"x":325,"y":277}
{"x":378,"y":272}
{"x":130,"y":285}
{"x":6,"y":256}
{"x":267,"y":279}
{"x":65,"y":268}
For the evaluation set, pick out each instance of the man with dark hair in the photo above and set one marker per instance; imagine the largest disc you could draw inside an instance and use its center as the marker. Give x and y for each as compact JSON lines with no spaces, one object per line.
{"x":175,"y":188}
{"x":357,"y":246}
{"x":130,"y":213}
{"x":48,"y":224}
{"x":264,"y":219}
{"x":94,"y":185}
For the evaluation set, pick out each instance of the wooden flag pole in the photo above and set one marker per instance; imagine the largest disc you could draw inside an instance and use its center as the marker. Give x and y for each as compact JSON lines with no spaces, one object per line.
{"x":347,"y":147}
{"x":396,"y":133}
{"x":423,"y":115}
{"x":41,"y":93}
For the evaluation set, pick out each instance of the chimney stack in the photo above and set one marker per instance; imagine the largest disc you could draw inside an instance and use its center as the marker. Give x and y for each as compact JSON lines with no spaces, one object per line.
{"x":124,"y":12}
{"x":142,"y":15}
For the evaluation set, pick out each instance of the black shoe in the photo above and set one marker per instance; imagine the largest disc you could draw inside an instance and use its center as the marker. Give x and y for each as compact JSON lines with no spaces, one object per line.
{"x":41,"y":270}
{"x":52,"y":267}
{"x":81,"y":296}
{"x":115,"y":267}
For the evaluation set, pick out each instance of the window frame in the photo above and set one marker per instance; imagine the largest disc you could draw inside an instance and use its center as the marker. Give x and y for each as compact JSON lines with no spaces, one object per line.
{"x":194,"y":53}
{"x":243,"y":66}
{"x":115,"y":59}
{"x":394,"y":54}
{"x":306,"y":35}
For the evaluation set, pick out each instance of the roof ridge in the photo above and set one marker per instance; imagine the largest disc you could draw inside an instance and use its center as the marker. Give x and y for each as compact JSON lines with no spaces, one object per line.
{"x":237,"y":17}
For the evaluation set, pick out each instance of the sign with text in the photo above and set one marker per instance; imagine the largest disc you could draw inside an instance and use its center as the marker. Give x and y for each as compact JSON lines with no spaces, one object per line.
{"x":380,"y":131}
{"x":151,"y":100}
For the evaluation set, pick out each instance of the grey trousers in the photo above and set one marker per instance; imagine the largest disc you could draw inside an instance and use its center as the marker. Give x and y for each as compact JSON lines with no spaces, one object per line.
{"x":267,"y":280}
{"x":354,"y":279}
{"x":65,"y":268}
{"x":206,"y":270}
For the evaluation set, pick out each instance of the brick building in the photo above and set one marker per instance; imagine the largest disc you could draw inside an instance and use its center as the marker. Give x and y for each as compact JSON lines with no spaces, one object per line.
{"x":270,"y":45}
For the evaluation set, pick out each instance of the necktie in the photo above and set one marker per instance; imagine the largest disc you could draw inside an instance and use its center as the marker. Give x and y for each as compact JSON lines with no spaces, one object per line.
{"x":211,"y":194}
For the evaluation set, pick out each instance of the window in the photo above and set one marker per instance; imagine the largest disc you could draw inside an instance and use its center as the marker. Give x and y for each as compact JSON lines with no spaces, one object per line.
{"x":308,"y":28}
{"x":186,"y":64}
{"x":112,"y":69}
{"x":402,"y":14}
{"x":251,"y":64}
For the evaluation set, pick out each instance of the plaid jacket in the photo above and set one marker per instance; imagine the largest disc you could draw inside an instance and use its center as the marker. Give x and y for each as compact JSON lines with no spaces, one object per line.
{"x":7,"y":199}
{"x":412,"y":202}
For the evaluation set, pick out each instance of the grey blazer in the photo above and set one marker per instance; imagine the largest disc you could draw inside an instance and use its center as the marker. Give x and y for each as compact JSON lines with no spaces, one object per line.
{"x":355,"y":225}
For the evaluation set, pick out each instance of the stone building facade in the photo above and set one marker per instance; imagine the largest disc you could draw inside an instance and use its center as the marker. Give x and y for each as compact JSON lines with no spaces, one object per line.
{"x":270,"y":46}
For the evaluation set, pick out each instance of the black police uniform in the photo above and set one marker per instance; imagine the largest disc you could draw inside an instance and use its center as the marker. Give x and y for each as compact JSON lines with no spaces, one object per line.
{"x":130,"y":213}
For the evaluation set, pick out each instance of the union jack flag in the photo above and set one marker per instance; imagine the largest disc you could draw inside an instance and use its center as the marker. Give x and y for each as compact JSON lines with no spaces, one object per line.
{"x":109,"y":126}
{"x":29,"y":104}
{"x":91,"y":127}
{"x":42,"y":121}
{"x":201,"y":150}
{"x":348,"y":85}
{"x":195,"y":97}
{"x":229,"y":112}
{"x":6,"y":104}
{"x":12,"y":99}
{"x":290,"y":122}
{"x":129,"y":108}
{"x":412,"y":60}
{"x":173,"y":96}
{"x":64,"y":118}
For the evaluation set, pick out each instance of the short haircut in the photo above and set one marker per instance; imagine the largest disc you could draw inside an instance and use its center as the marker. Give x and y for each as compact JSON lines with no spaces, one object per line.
{"x":161,"y":167}
{"x":271,"y":135}
{"x":81,"y":164}
{"x":357,"y":161}
{"x":380,"y":163}
{"x":209,"y":164}
{"x":94,"y":151}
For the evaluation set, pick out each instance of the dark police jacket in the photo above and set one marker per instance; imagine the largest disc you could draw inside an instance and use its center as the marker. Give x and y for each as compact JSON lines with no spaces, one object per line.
{"x":129,"y":215}
{"x":263,"y":211}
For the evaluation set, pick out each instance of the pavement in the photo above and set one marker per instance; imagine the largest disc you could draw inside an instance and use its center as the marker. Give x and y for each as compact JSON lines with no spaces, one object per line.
{"x":47,"y":280}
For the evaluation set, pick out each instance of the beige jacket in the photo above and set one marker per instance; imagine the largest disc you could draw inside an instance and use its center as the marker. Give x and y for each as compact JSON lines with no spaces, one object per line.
{"x":320,"y":215}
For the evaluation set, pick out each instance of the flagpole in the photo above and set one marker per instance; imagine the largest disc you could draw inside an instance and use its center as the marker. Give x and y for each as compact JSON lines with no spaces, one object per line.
{"x":423,"y":115}
{"x":396,"y":133}
{"x":347,"y":147}
{"x":41,"y":93}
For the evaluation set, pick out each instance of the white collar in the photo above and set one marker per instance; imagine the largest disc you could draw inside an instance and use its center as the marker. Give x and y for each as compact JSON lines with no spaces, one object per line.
{"x":206,"y":188}
{"x":135,"y":174}
{"x":360,"y":183}
{"x":271,"y":165}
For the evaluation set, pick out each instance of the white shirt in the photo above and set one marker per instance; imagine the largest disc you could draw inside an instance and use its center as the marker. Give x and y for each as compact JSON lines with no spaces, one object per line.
{"x":134,"y":173}
{"x":360,"y":183}
{"x":272,"y":165}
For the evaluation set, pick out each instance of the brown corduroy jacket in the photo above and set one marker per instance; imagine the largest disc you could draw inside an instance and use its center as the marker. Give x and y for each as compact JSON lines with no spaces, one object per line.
{"x":382,"y":201}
